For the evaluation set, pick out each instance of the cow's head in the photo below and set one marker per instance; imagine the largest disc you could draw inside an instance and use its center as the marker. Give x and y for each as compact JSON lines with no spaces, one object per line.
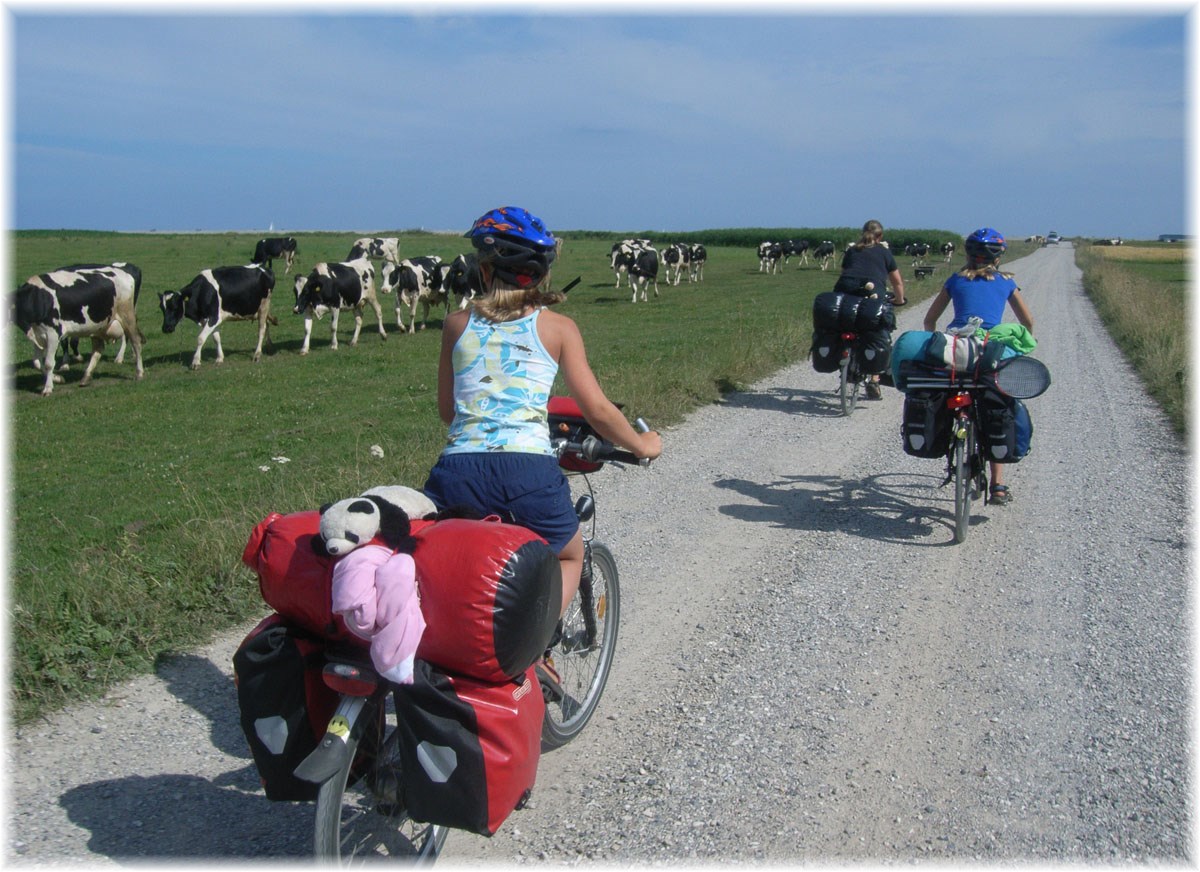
{"x":307,"y":290}
{"x":171,"y":303}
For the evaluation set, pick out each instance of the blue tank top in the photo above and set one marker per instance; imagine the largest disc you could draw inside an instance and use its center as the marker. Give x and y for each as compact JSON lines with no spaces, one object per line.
{"x":502,"y":380}
{"x":979,"y":297}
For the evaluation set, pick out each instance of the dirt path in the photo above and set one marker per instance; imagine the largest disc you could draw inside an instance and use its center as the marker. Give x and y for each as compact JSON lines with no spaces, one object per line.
{"x":808,"y":670}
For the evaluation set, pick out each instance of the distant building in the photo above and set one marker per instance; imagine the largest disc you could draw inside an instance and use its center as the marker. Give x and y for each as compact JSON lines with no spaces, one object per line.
{"x":1173,"y":237}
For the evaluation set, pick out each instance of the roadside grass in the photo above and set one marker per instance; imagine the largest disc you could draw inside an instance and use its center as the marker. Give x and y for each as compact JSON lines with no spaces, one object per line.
{"x":1141,"y":295}
{"x":131,"y":501}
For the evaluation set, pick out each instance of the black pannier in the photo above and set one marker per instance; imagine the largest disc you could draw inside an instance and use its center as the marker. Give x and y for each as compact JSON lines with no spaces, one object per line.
{"x":926,"y":426}
{"x":874,"y":351}
{"x":875,"y":314}
{"x":825,"y":312}
{"x":1005,"y":428}
{"x":826,"y":351}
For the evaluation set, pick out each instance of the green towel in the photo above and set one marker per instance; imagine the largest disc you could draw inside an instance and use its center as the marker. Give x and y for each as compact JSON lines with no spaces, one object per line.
{"x":1015,"y":336}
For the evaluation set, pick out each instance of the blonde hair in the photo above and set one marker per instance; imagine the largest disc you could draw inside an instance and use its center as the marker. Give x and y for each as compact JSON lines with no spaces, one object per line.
{"x":987,"y":272}
{"x":872,"y":232}
{"x":504,"y":302}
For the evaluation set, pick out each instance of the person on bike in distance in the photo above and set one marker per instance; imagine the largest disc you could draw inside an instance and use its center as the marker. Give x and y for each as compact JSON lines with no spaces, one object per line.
{"x":870,"y":260}
{"x":498,"y":362}
{"x":981,"y":290}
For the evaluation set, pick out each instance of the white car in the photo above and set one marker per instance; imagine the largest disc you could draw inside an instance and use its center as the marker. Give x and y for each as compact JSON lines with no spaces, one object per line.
{"x":1053,"y":239}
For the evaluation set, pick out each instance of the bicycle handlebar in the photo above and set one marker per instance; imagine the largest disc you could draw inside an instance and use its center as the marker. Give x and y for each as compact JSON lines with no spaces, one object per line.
{"x":596,"y":450}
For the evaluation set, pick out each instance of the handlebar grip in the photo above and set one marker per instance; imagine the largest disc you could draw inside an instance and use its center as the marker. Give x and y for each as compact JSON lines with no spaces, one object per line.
{"x":599,"y":449}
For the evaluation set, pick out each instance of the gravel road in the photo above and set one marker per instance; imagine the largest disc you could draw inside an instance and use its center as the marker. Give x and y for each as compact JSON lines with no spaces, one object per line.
{"x":809,"y":670}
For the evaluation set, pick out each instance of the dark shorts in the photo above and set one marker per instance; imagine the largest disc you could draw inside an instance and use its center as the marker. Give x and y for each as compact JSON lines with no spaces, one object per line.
{"x":525,"y":489}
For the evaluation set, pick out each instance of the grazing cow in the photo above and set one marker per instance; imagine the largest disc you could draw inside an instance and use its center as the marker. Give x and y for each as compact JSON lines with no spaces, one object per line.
{"x":266,"y":250}
{"x":770,"y":255}
{"x":699,"y":258}
{"x":415,"y":280}
{"x":462,"y":279}
{"x":824,"y":253}
{"x":642,"y":271}
{"x":796,"y":248}
{"x":385,"y":248}
{"x":68,"y":303}
{"x":676,"y":257}
{"x":334,"y":287}
{"x":623,"y":255}
{"x":217,"y":295}
{"x":948,"y":250}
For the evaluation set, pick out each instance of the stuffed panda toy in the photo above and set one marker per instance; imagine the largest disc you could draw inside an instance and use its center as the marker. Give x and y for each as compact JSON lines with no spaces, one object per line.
{"x":382,"y":512}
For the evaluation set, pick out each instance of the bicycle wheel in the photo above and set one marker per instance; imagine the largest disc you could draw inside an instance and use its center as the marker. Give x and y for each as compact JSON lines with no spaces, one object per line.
{"x":964,"y":450}
{"x":360,"y":817}
{"x":584,"y":654}
{"x":848,"y":390}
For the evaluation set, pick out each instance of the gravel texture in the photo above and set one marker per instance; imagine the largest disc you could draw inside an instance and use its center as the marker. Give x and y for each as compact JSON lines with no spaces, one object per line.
{"x":809,"y":669}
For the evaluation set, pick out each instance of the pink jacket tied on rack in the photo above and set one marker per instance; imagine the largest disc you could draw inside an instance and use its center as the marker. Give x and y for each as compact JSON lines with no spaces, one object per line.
{"x":375,"y":591}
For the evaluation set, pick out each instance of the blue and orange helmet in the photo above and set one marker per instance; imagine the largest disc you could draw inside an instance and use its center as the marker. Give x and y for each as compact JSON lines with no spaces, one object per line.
{"x":985,"y":244}
{"x":516,"y":243}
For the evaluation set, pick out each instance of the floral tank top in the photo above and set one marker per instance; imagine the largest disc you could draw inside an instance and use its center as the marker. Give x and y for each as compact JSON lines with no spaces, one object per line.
{"x":502,"y":380}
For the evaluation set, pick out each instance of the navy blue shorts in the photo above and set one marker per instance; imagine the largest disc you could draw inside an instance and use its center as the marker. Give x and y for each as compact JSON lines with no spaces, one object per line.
{"x":522,"y":488}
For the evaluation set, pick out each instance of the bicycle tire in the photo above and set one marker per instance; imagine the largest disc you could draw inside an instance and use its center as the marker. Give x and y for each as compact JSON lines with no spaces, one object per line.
{"x":583,"y":664}
{"x":357,"y":822}
{"x":848,"y":389}
{"x":963,"y":448}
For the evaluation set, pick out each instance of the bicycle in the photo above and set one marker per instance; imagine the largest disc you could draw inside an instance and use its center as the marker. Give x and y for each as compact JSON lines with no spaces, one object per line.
{"x":966,"y":463}
{"x":360,"y":813}
{"x":852,"y":380}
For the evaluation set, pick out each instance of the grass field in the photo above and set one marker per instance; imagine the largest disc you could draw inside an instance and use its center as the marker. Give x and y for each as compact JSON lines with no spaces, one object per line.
{"x":1141,"y":293}
{"x":131,"y":501}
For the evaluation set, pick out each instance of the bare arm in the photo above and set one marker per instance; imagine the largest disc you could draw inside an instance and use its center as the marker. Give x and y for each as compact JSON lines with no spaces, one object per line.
{"x":1021,"y":310}
{"x":453,"y":328}
{"x":936,"y":308}
{"x":564,"y":341}
{"x":897,"y":286}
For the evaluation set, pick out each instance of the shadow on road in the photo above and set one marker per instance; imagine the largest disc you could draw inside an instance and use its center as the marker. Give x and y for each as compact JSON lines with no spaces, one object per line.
{"x":896,"y":507}
{"x":793,"y":401}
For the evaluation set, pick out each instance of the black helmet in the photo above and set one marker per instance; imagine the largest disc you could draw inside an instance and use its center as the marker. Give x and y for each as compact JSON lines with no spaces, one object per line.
{"x":516,"y":244}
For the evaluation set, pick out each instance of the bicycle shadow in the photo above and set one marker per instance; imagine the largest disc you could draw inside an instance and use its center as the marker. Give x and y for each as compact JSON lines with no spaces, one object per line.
{"x":896,"y":507}
{"x":791,"y":401}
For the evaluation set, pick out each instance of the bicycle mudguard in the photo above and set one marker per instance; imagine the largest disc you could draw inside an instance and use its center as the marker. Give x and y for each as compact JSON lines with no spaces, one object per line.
{"x":330,"y":754}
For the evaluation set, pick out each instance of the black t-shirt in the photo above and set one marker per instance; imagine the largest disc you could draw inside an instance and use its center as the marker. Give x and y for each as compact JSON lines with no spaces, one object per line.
{"x":870,"y":264}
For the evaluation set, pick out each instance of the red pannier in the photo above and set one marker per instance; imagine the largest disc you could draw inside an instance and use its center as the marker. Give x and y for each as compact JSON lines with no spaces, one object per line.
{"x":490,"y":594}
{"x":469,"y":749}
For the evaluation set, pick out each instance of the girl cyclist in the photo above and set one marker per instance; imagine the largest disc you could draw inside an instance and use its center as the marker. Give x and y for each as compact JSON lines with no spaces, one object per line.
{"x":870,"y":260}
{"x":981,"y":290}
{"x":498,"y":363}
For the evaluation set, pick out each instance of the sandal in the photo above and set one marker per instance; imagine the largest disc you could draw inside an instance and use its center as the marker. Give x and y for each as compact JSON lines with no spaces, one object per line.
{"x":999,"y":495}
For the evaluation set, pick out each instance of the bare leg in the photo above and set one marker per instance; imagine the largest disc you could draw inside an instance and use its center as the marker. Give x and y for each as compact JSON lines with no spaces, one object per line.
{"x":571,"y":563}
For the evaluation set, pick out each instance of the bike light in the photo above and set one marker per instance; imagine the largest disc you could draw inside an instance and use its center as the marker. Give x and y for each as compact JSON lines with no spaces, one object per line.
{"x":849,"y":337}
{"x":350,"y":680}
{"x":958,"y":401}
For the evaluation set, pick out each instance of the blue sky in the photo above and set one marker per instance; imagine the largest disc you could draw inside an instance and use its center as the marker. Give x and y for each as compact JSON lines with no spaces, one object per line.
{"x":305,"y":119}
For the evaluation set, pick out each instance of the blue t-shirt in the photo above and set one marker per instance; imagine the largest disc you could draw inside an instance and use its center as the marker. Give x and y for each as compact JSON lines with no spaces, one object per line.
{"x":983,"y":298}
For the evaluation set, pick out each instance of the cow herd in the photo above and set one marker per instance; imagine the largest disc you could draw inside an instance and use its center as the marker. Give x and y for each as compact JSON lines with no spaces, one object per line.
{"x":639,"y":261}
{"x":99,"y":301}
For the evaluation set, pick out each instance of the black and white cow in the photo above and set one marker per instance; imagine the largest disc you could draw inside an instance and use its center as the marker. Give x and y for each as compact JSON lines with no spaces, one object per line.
{"x":415,"y":280}
{"x":948,"y":250}
{"x":624,"y":253}
{"x":67,"y":303}
{"x":266,"y":250}
{"x":698,"y":259}
{"x":824,"y":253}
{"x":676,"y":257}
{"x":642,"y":271}
{"x":769,"y":256}
{"x":917,"y":250}
{"x":333,"y":288}
{"x":462,"y":279}
{"x":217,"y":295}
{"x":796,"y":248}
{"x":385,"y":248}
{"x":70,"y":347}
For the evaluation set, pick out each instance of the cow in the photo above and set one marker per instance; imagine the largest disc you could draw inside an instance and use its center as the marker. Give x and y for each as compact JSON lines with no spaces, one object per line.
{"x":948,"y":250}
{"x":70,"y":347}
{"x":462,"y":279}
{"x":65,"y":303}
{"x":385,"y":248}
{"x":824,"y":253}
{"x":217,"y":295}
{"x":623,"y":254}
{"x":337,"y":287}
{"x":769,"y":256}
{"x":917,"y":250}
{"x":796,"y":248}
{"x":676,"y":257}
{"x":415,"y":280}
{"x":642,"y":271}
{"x":266,"y":250}
{"x":698,"y":259}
